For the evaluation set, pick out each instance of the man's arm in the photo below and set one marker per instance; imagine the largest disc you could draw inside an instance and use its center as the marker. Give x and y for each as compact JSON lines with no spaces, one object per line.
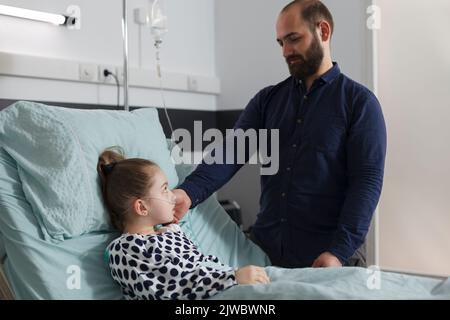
{"x":366,"y":151}
{"x":208,"y":178}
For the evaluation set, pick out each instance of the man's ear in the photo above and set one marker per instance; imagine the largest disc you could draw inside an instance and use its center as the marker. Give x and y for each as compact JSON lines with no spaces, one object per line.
{"x":324,"y":30}
{"x":140,"y":207}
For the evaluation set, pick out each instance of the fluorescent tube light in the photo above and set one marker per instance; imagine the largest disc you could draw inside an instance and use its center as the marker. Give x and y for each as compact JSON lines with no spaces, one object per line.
{"x":57,"y":19}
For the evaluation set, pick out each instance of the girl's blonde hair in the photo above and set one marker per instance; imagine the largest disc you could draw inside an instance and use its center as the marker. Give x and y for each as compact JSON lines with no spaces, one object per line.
{"x":123,"y":181}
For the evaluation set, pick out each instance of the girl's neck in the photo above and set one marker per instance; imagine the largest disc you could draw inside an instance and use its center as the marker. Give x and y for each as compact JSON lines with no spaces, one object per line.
{"x":140,"y":229}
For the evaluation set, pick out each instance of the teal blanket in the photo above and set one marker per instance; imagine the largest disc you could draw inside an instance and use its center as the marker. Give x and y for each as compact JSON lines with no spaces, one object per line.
{"x":340,"y":283}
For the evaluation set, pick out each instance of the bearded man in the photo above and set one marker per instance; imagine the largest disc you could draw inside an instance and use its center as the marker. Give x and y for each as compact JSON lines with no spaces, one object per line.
{"x":317,"y":209}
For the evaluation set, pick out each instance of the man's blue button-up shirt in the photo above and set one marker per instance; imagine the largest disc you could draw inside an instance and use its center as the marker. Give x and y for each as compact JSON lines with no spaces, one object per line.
{"x":331,"y":161}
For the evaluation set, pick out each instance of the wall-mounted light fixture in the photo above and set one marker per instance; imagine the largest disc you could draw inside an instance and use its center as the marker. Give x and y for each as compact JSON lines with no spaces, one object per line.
{"x":57,"y":19}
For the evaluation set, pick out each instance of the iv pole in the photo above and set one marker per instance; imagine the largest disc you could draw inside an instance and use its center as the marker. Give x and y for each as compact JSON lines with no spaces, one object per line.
{"x":125,"y":55}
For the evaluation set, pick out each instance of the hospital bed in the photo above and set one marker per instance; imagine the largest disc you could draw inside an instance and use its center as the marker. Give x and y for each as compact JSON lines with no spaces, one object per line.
{"x":54,"y":227}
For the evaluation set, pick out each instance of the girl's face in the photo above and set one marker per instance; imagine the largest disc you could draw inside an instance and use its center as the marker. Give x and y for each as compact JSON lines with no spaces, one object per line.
{"x":160,"y":200}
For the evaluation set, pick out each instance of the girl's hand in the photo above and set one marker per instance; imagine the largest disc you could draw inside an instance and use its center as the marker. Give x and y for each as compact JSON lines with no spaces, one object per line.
{"x":251,"y":275}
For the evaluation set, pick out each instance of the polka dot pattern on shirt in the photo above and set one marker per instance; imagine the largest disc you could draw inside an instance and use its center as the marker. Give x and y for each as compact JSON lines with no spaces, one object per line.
{"x":166,"y":266}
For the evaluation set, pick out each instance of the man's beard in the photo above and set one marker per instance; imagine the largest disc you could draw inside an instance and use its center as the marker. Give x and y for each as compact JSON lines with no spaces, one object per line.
{"x":308,"y":65}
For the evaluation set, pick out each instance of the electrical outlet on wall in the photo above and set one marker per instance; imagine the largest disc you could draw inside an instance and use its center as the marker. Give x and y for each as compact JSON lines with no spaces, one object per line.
{"x":101,"y":73}
{"x":88,"y":72}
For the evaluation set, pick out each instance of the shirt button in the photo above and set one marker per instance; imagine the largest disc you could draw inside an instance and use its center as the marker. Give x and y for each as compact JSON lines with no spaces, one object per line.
{"x":283,"y":220}
{"x":294,"y":146}
{"x":305,"y":97}
{"x":288,"y":169}
{"x":283,"y":194}
{"x":299,"y":121}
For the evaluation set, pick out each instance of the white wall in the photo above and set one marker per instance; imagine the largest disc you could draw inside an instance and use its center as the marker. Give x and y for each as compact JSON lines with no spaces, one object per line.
{"x":248,"y":56}
{"x":188,"y":48}
{"x":351,"y":43}
{"x":414,"y":78}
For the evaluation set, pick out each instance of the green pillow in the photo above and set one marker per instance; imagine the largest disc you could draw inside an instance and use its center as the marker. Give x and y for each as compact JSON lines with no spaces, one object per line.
{"x":56,"y":150}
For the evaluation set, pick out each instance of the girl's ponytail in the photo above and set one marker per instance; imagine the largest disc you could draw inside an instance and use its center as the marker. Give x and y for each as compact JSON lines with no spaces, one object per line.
{"x":105,"y":166}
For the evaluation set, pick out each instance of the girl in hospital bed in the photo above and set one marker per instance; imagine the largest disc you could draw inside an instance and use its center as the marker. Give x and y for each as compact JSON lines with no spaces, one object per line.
{"x":157,"y":263}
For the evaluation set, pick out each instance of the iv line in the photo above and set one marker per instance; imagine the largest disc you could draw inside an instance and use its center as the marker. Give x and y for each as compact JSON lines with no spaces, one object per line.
{"x":161,"y":89}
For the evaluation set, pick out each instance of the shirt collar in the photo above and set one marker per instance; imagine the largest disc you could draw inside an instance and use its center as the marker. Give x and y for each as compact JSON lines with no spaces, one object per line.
{"x":331,"y":74}
{"x":328,"y":76}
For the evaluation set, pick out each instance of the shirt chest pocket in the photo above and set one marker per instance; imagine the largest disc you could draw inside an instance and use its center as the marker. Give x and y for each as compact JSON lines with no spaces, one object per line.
{"x":328,"y":134}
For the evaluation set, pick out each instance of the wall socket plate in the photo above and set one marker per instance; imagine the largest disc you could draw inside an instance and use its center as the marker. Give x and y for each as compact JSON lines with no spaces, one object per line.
{"x":87,"y":72}
{"x":192,"y":83}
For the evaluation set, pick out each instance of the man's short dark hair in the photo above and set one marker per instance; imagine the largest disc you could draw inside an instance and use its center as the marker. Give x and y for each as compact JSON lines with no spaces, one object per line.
{"x":312,"y":11}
